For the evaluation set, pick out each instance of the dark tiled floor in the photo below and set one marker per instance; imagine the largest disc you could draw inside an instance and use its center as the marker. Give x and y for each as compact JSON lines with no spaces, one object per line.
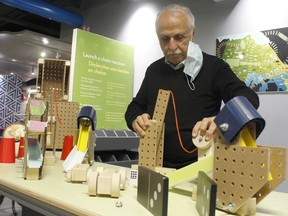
{"x":6,"y":208}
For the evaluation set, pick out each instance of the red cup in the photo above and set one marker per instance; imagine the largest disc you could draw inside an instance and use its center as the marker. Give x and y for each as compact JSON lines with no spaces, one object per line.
{"x":67,"y":147}
{"x":7,"y":150}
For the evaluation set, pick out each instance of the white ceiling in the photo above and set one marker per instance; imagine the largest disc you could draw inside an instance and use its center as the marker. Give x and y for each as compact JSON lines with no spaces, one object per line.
{"x":20,"y":51}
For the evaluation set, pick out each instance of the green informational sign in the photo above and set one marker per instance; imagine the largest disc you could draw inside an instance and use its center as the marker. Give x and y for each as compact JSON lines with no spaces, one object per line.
{"x":102,"y":77}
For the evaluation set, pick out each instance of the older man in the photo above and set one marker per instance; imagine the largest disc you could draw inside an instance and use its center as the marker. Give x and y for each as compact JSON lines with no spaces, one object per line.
{"x":199,"y":83}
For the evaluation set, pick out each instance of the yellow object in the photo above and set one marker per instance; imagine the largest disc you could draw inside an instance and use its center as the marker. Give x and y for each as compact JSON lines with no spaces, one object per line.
{"x":83,"y":138}
{"x":246,"y":139}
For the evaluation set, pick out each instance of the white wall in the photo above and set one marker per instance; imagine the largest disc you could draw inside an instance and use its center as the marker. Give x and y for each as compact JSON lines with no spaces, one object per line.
{"x":251,"y":16}
{"x":132,"y":22}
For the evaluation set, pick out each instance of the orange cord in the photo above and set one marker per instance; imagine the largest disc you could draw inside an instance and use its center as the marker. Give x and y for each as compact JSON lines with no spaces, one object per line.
{"x":177,"y":127}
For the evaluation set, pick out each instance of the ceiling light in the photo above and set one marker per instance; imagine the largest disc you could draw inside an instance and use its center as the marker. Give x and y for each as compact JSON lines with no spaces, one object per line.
{"x":42,"y":54}
{"x":45,"y":41}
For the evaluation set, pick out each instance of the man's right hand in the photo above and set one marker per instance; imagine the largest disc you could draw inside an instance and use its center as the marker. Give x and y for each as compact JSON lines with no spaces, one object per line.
{"x":141,"y":123}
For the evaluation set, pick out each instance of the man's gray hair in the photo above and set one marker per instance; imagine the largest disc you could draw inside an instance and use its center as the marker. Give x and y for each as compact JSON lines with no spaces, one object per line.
{"x":178,"y":8}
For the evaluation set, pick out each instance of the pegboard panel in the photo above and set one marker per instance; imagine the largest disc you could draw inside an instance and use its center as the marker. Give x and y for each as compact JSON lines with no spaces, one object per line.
{"x":160,"y":148}
{"x":151,"y":147}
{"x":52,"y":79}
{"x":277,"y":171}
{"x":239,"y":173}
{"x":161,"y":106}
{"x":159,"y":115}
{"x":66,"y":114}
{"x":148,"y":147}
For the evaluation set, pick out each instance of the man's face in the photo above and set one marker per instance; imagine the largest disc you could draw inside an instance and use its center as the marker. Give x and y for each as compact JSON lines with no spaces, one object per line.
{"x":174,"y":35}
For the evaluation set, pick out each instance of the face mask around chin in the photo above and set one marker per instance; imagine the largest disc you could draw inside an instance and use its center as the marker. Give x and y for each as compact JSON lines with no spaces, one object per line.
{"x":194,"y":60}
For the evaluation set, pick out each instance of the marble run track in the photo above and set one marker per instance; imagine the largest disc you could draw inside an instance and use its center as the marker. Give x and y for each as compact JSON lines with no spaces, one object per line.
{"x":86,"y":139}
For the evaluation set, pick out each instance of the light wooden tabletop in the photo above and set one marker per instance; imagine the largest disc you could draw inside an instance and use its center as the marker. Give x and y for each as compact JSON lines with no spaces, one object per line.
{"x":52,"y":193}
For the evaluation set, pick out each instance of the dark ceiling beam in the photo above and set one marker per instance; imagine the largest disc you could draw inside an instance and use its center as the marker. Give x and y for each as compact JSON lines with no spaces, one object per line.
{"x":52,"y":30}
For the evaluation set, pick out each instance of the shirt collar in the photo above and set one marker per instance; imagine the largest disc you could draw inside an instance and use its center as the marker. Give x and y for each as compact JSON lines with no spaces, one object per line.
{"x":175,"y":67}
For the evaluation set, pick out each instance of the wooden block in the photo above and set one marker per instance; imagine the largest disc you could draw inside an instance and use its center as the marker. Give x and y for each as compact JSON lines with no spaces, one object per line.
{"x":32,"y":173}
{"x":78,"y":173}
{"x":194,"y":192}
{"x":122,"y":172}
{"x":248,"y":209}
{"x":49,"y":159}
{"x":115,"y":184}
{"x":134,"y":166}
{"x":92,"y":183}
{"x":104,"y":181}
{"x":104,"y":184}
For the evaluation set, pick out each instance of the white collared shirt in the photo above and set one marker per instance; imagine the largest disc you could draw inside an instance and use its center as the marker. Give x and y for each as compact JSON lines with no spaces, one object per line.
{"x":176,"y":67}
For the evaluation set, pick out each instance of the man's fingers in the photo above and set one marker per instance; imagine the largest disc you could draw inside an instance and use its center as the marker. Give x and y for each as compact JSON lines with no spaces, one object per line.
{"x":138,"y":129}
{"x":211,"y":131}
{"x":196,"y":129}
{"x":141,"y":123}
{"x":207,"y":128}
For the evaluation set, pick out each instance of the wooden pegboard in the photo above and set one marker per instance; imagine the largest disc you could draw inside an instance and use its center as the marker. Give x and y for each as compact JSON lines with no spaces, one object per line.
{"x":161,"y":107}
{"x":277,"y":171}
{"x":252,"y":162}
{"x":62,"y":124}
{"x":66,"y":125}
{"x":159,"y":115}
{"x":53,"y":76}
{"x":239,"y":172}
{"x":148,"y":147}
{"x":151,"y":147}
